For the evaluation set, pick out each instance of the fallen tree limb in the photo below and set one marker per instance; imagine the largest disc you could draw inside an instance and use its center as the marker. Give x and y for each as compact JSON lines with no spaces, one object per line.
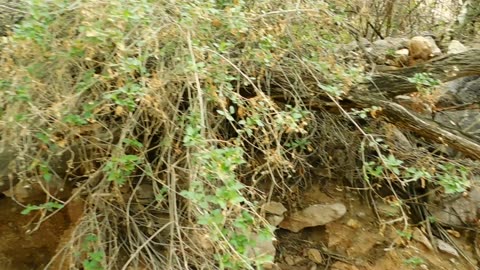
{"x":403,"y":118}
{"x":445,"y":69}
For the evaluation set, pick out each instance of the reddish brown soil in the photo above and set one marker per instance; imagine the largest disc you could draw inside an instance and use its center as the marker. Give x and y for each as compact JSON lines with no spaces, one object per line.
{"x":20,"y":250}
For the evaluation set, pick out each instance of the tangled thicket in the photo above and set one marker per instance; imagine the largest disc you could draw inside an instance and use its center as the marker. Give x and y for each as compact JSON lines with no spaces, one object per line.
{"x":161,"y":117}
{"x":174,"y":121}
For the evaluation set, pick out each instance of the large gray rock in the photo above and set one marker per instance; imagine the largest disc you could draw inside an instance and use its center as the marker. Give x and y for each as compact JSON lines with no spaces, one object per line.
{"x":466,"y":121}
{"x":384,"y":49}
{"x":458,"y":211}
{"x":463,"y":91}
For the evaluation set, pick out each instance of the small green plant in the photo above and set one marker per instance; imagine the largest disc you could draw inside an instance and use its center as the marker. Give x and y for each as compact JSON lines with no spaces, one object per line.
{"x":47,"y":175}
{"x":299,"y":144}
{"x":223,"y":210}
{"x":48,"y":206}
{"x":377,"y":170}
{"x":405,"y":234}
{"x":94,"y":257}
{"x":453,"y":178}
{"x":424,"y":82}
{"x":118,"y":169}
{"x":333,"y":90}
{"x":292,"y":120}
{"x":390,"y":52}
{"x":126,"y":95}
{"x":414,"y":261}
{"x":363,"y":114}
{"x":84,"y":118}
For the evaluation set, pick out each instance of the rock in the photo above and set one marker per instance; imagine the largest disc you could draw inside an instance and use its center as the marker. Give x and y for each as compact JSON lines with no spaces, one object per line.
{"x":462,"y":120}
{"x":353,"y":46}
{"x":461,"y":91}
{"x":314,"y":215}
{"x":447,"y":248}
{"x":390,"y":43}
{"x":398,"y":59}
{"x":271,"y":266}
{"x":422,"y":48}
{"x":274,"y":220}
{"x":460,"y":211}
{"x":274,"y":212}
{"x":314,"y":255}
{"x":456,"y":47}
{"x":289,"y":260}
{"x":387,"y":210}
{"x":454,"y":233}
{"x":275,"y":208}
{"x":384,"y":47}
{"x":353,"y":223}
{"x":402,"y":52}
{"x":435,"y":49}
{"x":263,"y":247}
{"x":421,"y":238}
{"x":361,"y":214}
{"x":396,"y":139}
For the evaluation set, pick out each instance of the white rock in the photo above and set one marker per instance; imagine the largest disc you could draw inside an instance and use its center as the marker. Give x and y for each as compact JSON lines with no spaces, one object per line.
{"x":435,"y":50}
{"x":314,"y":215}
{"x":447,"y":248}
{"x":402,"y":52}
{"x":456,"y":46}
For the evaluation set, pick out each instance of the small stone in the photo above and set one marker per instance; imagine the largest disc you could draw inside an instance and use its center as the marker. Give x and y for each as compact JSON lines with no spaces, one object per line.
{"x":456,"y":47}
{"x":270,"y":266}
{"x":418,"y":236}
{"x":353,"y":223}
{"x":314,"y":255}
{"x":447,"y":248}
{"x":387,"y":210}
{"x":402,"y":52}
{"x":289,"y":260}
{"x":275,"y":220}
{"x":314,"y":215}
{"x":312,"y":266}
{"x":361,"y":214}
{"x":454,"y":233}
{"x":275,"y":208}
{"x":262,"y":247}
